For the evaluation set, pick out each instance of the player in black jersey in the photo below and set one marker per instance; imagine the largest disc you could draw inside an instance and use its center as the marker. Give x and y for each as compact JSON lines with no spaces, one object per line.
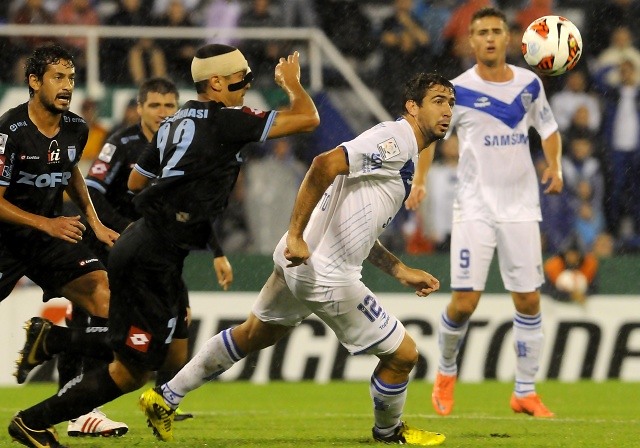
{"x":41,"y":143}
{"x":193,"y":164}
{"x":157,"y":98}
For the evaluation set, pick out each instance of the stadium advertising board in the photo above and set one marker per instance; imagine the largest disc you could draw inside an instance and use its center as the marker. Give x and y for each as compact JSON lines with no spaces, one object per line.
{"x":598,"y":341}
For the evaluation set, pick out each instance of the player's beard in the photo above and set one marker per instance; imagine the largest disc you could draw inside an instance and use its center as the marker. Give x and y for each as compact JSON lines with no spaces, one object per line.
{"x":51,"y":107}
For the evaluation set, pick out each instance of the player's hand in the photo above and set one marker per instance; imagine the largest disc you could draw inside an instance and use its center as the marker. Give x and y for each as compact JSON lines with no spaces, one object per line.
{"x":288,"y":70}
{"x":224,"y":272}
{"x":423,"y":282}
{"x":297,"y":251}
{"x":553,"y":177}
{"x":67,"y":228}
{"x":416,"y":196}
{"x":106,"y":235}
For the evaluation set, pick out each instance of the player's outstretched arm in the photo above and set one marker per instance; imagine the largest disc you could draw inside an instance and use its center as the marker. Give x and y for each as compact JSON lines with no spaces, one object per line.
{"x":423,"y":282}
{"x":323,"y":171}
{"x":302,"y":115}
{"x":418,"y":185}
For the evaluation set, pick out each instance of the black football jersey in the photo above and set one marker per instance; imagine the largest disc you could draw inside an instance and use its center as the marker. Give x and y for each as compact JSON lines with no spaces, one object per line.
{"x":34,"y":168}
{"x":195,"y":159}
{"x":109,"y":173}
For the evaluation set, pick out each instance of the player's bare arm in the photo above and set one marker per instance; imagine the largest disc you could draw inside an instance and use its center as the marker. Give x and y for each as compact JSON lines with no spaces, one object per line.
{"x":78,"y":192}
{"x":137,"y":182}
{"x":418,"y":185}
{"x":67,"y":228}
{"x":552,"y":175}
{"x":423,"y":282}
{"x":302,"y":115}
{"x":323,"y":171}
{"x":224,"y":272}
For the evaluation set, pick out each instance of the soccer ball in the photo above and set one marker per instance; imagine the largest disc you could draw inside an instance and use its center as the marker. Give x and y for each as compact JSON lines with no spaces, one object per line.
{"x":552,"y":45}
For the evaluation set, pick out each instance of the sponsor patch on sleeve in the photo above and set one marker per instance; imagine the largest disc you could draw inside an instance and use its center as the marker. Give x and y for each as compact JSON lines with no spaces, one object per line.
{"x":108,"y":150}
{"x":256,"y":112}
{"x":99,"y":170}
{"x":3,"y":142}
{"x":388,"y":149}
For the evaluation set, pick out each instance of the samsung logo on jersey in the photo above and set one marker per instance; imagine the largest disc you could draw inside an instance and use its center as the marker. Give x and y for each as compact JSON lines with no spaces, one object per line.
{"x":506,"y":140}
{"x":192,"y":113}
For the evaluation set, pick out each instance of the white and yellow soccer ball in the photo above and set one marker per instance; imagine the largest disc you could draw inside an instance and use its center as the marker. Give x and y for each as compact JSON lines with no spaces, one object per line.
{"x":552,"y":45}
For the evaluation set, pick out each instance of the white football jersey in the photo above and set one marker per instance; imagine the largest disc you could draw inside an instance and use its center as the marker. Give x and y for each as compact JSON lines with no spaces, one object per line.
{"x":357,"y":207}
{"x":496,"y":177}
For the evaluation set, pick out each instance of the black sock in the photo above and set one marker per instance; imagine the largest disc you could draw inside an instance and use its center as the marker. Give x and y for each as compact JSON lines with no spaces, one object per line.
{"x":81,"y":395}
{"x":92,"y":341}
{"x":164,"y":375}
{"x":70,"y":364}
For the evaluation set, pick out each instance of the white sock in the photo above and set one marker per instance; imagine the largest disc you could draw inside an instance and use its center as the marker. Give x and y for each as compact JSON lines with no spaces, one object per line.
{"x":528,"y":337}
{"x":218,"y":355}
{"x":388,"y":404}
{"x":450,"y":337}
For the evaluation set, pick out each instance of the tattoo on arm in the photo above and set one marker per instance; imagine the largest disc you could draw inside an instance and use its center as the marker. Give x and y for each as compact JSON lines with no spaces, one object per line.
{"x":384,"y":260}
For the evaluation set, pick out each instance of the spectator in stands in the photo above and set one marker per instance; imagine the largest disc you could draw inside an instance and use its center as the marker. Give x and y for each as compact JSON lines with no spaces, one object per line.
{"x":32,"y":12}
{"x":97,"y":132}
{"x":129,"y":61}
{"x":558,"y":216}
{"x":130,"y":116}
{"x":161,"y":7}
{"x":262,"y":54}
{"x":602,"y":17}
{"x":178,"y":52}
{"x":434,"y":14}
{"x":620,"y":49}
{"x":348,"y":27}
{"x":621,"y":130}
{"x":405,"y":50}
{"x":77,"y":12}
{"x":514,"y":48}
{"x":584,"y":180}
{"x":572,"y":274}
{"x":271,"y":184}
{"x":437,"y":210}
{"x":223,"y":14}
{"x":456,"y":34}
{"x":574,"y":95}
{"x":299,"y":13}
{"x":534,"y":10}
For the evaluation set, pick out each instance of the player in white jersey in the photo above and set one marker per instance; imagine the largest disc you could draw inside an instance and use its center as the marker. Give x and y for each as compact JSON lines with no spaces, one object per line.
{"x":496,"y":205}
{"x":348,"y":197}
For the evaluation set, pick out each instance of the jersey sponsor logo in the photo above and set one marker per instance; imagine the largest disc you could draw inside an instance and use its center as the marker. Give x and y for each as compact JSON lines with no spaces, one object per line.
{"x":138,"y":339}
{"x":256,"y":112}
{"x":73,"y":119}
{"x":481,"y":102}
{"x":183,"y":216}
{"x":107,"y":152}
{"x":527,"y":99}
{"x":130,"y":138}
{"x":28,"y":157}
{"x":371,"y":162}
{"x":506,"y":139}
{"x":44,"y":180}
{"x":53,"y":155}
{"x":99,"y":169}
{"x":87,"y":261}
{"x":14,"y":127}
{"x":388,"y":149}
{"x":71,"y":152}
{"x":3,"y":142}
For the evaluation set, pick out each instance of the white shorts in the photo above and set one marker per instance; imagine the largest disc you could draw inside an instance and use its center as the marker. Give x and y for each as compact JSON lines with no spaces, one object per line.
{"x":353,"y":313}
{"x":519,"y":254}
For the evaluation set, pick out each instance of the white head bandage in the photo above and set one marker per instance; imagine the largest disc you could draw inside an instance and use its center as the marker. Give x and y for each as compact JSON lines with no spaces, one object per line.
{"x":221,"y":65}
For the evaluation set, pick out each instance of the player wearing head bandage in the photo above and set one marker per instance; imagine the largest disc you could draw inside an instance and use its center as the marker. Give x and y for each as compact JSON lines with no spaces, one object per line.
{"x":189,"y":170}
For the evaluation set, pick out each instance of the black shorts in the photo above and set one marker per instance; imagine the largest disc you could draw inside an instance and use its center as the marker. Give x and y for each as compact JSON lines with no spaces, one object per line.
{"x":49,"y":262}
{"x":147,"y":309}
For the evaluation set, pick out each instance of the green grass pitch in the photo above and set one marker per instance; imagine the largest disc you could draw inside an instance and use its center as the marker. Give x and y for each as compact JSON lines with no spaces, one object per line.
{"x":338,"y":414}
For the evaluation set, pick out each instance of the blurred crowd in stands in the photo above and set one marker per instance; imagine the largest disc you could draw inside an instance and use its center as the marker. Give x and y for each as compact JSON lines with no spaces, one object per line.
{"x":597,"y":105}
